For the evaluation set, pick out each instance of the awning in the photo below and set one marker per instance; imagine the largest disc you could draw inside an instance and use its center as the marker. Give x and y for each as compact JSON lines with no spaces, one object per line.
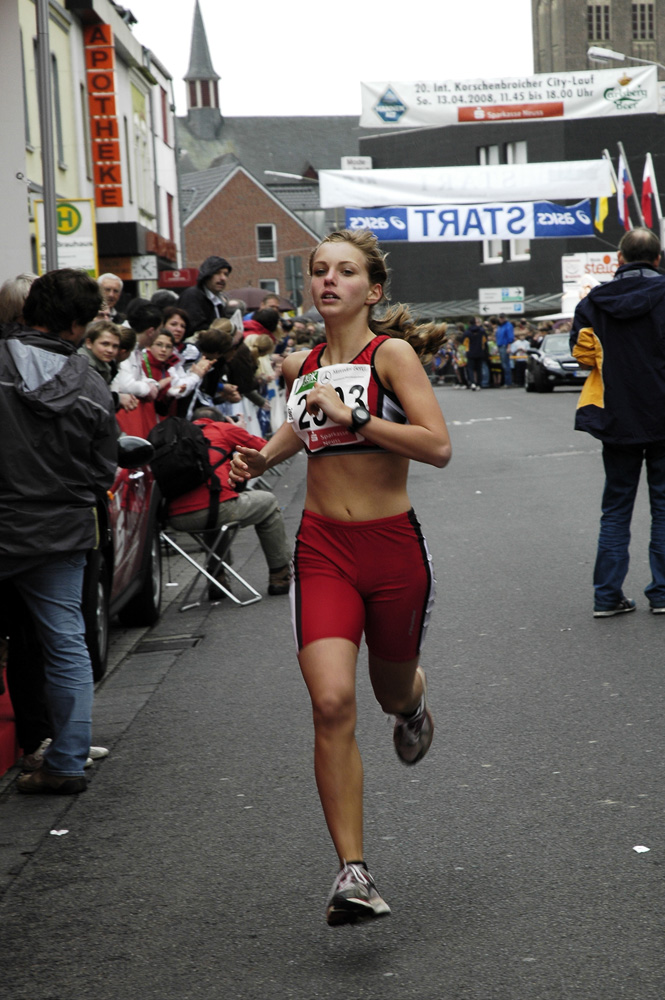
{"x":534,"y":305}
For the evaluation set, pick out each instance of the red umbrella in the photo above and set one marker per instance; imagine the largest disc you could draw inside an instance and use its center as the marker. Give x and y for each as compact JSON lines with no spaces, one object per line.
{"x":254,"y":296}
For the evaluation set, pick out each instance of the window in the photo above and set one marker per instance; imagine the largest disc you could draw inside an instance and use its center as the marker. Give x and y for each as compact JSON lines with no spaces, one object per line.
{"x":492,"y":249}
{"x":598,"y":22}
{"x":57,"y":113}
{"x":266,"y":242}
{"x":169,"y":214}
{"x":128,"y":157}
{"x":26,"y":116}
{"x":643,"y":21}
{"x":205,"y":93}
{"x":516,"y":153}
{"x":269,"y":285}
{"x":165,"y":115}
{"x":193,"y":103}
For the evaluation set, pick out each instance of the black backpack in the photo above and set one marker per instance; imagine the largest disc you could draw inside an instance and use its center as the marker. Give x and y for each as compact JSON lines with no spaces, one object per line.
{"x":181,"y":462}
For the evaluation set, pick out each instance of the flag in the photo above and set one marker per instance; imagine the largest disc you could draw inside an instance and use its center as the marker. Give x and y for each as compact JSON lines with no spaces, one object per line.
{"x":649,"y":191}
{"x":624,"y":193}
{"x":601,"y":213}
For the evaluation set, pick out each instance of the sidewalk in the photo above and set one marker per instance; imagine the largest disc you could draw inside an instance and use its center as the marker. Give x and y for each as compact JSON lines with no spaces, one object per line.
{"x":177,"y":573}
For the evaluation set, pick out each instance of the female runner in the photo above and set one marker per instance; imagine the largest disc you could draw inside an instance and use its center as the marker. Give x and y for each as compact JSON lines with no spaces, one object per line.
{"x":362,"y":406}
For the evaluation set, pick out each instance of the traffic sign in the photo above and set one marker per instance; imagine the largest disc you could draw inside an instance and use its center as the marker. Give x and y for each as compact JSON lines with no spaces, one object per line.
{"x":512,"y":294}
{"x":493,"y":308}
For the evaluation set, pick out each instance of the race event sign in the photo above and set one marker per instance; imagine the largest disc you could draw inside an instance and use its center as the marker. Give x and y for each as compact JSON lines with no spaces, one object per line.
{"x":499,"y":221}
{"x":581,"y":94}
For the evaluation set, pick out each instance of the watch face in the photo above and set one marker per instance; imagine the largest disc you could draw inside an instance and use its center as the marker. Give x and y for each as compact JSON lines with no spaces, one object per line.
{"x":361,"y":416}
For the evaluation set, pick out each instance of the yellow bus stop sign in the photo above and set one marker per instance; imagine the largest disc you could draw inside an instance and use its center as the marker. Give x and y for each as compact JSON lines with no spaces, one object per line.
{"x":69,"y":218}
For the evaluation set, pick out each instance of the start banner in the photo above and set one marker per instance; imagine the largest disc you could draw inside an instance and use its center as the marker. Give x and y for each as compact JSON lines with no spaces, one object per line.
{"x":499,"y":221}
{"x":581,"y":94}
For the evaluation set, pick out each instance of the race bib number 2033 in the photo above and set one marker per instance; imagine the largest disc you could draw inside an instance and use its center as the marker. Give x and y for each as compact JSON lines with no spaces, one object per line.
{"x":350,"y":382}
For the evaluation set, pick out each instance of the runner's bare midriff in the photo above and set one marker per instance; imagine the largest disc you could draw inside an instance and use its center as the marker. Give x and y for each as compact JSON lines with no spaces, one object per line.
{"x":337,"y":486}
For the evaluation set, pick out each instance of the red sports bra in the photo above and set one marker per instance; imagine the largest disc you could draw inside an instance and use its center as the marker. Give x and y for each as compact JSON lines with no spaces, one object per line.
{"x":355,"y":382}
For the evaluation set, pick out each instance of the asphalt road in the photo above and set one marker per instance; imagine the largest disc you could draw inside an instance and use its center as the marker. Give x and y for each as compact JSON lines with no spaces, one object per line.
{"x":197,"y":865}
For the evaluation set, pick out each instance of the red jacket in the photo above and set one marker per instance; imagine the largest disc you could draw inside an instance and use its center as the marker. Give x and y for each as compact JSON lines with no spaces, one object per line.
{"x":224,"y":436}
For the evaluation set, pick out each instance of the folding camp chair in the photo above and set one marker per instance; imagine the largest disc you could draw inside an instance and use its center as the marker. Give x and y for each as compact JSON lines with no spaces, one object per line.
{"x":216,"y":543}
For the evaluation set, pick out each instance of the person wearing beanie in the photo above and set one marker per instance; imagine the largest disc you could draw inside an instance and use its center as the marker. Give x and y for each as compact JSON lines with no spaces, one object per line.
{"x":205,"y":302}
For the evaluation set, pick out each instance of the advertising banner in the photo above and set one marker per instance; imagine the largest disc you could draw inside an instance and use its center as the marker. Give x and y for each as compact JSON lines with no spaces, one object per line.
{"x":497,"y":221}
{"x":589,"y":93}
{"x":572,"y":179}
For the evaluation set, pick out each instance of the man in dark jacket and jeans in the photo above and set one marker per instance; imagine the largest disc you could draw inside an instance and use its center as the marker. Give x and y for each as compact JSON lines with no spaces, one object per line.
{"x":57,"y":456}
{"x":619,"y":333}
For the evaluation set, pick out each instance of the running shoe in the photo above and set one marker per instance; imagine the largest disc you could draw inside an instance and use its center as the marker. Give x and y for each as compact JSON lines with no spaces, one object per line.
{"x":413,"y":734}
{"x":624,"y":605}
{"x":354,"y":898}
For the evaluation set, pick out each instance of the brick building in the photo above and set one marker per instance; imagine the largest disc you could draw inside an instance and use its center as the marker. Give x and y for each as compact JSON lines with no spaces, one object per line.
{"x":228,"y":212}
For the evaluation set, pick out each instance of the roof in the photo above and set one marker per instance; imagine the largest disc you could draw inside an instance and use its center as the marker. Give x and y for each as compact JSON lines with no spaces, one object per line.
{"x":289,"y":144}
{"x":197,"y":186}
{"x":200,"y":63}
{"x":297,"y":197}
{"x":454,"y":308}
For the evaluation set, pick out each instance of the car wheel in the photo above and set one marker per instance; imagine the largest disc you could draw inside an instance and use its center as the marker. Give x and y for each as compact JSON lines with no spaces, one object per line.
{"x":144,"y":607}
{"x":528,"y":382}
{"x":95,"y":607}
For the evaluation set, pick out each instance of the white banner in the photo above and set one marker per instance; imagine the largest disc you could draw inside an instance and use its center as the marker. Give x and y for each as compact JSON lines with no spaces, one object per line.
{"x":582,"y":94}
{"x":432,"y":185}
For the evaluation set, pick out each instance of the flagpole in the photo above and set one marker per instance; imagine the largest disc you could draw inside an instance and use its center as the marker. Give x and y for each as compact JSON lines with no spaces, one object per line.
{"x":615,"y":180}
{"x":656,"y":199}
{"x":638,"y":207}
{"x":655,"y":192}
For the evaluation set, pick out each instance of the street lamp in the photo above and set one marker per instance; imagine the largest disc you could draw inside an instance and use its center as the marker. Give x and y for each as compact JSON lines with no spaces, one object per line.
{"x":598,"y":54}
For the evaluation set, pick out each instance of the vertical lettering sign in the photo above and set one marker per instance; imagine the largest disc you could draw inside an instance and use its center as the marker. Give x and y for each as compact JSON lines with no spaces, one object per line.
{"x":100,"y":73}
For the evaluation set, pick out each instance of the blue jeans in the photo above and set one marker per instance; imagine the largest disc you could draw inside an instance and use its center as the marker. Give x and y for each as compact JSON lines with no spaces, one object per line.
{"x":52,"y":592}
{"x":623,"y":465}
{"x":505,"y":364}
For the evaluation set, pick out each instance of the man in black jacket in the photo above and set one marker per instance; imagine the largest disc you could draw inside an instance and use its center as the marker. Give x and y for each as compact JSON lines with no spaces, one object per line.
{"x":205,"y":301}
{"x":619,"y":333}
{"x":58,"y":452}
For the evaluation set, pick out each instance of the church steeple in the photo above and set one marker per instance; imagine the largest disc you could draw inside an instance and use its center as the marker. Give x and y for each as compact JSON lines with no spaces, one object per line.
{"x":203,"y":113}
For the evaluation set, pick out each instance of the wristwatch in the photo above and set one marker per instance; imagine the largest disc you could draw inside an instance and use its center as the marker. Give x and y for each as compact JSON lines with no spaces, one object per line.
{"x":360,"y":416}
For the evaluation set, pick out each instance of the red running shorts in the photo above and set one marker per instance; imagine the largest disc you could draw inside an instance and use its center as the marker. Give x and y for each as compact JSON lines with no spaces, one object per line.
{"x":355,"y":576}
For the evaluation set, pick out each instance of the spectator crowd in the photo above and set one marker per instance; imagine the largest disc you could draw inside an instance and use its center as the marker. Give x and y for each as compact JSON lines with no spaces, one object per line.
{"x":79,"y":373}
{"x":488,"y":354}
